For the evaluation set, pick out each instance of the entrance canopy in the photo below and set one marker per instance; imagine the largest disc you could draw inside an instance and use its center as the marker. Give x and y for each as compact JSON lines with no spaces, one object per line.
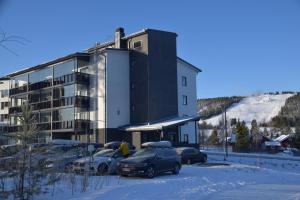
{"x":161,"y":125}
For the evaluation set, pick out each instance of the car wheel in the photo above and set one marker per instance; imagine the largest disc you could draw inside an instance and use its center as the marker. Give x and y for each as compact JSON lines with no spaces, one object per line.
{"x":204,"y":159}
{"x":102,"y":169}
{"x":176,"y":169}
{"x":151,"y":172}
{"x":68,"y":167}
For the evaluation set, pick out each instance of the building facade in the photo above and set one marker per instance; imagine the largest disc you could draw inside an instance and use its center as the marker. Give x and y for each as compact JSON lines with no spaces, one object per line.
{"x":4,"y":105}
{"x":112,"y":91}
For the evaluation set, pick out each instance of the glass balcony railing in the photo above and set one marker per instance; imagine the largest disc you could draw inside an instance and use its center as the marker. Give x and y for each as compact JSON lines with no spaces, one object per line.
{"x":76,"y":78}
{"x":78,"y":125}
{"x":77,"y":101}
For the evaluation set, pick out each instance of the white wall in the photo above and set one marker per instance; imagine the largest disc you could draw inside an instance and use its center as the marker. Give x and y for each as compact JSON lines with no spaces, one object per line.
{"x":118,"y":88}
{"x":4,"y":85}
{"x":183,"y":69}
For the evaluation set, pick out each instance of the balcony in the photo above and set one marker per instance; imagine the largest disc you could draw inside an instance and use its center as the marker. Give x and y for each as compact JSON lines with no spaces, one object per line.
{"x":77,"y":101}
{"x":18,"y":90}
{"x":78,"y":125}
{"x":76,"y":78}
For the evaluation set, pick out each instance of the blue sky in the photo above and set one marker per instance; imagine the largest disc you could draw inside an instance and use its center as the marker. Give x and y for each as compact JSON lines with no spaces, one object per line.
{"x":243,"y":46}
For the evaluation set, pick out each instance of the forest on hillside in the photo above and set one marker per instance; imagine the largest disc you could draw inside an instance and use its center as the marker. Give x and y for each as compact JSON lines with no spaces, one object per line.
{"x":289,"y":116}
{"x":214,"y":106}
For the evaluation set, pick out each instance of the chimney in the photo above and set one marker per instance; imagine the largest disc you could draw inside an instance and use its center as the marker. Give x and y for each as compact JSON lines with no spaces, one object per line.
{"x":118,"y":35}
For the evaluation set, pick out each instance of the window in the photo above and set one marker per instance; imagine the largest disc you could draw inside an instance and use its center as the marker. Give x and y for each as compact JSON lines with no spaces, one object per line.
{"x":3,"y":117}
{"x":137,"y":45}
{"x":186,"y":138}
{"x":184,"y":100}
{"x":4,"y":93}
{"x":65,"y":68}
{"x":183,"y":81}
{"x":4,"y":105}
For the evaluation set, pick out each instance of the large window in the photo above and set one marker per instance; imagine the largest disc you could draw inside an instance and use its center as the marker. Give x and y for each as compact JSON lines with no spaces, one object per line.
{"x":45,"y":117}
{"x":41,"y":75}
{"x":64,"y":68}
{"x":66,"y":91}
{"x":66,"y":114}
{"x":19,"y":81}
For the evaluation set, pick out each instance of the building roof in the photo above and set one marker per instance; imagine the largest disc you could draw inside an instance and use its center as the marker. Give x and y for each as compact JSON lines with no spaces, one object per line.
{"x":192,"y":66}
{"x":40,"y":66}
{"x":161,"y":125}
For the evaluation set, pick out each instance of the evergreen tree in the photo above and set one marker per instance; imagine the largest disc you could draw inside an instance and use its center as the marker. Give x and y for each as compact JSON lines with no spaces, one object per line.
{"x":256,"y":138}
{"x":297,"y":138}
{"x":213,"y":138}
{"x":266,"y":132}
{"x":242,"y":137}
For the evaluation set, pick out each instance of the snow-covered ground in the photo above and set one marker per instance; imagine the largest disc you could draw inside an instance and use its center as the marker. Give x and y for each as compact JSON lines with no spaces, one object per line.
{"x":234,"y":181}
{"x":259,"y":107}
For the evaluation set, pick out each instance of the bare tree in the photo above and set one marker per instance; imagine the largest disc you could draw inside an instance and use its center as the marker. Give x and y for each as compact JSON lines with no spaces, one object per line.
{"x":26,"y":135}
{"x":6,"y":38}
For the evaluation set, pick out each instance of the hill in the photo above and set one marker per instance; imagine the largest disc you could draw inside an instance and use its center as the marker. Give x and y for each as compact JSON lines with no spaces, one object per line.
{"x":267,"y":109}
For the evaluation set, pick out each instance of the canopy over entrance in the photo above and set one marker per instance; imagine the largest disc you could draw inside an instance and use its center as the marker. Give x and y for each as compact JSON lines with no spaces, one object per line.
{"x":161,"y":125}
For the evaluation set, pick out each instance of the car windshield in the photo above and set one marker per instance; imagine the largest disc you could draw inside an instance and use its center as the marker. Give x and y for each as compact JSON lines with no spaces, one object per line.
{"x":104,"y":153}
{"x":145,"y":153}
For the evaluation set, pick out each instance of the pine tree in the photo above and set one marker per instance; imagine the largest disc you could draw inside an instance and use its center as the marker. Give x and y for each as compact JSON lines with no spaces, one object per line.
{"x":242,"y":137}
{"x":213,"y":138}
{"x":255,"y":136}
{"x":297,"y":138}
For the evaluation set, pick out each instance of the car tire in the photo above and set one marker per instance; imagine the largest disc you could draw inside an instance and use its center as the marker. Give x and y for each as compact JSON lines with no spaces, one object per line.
{"x":102,"y":169}
{"x":204,"y":159}
{"x":151,"y":172}
{"x":68,"y":167}
{"x":176,"y":169}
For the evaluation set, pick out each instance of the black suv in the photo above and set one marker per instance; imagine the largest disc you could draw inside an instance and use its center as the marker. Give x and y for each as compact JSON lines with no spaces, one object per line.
{"x":190,"y":155}
{"x":150,"y":162}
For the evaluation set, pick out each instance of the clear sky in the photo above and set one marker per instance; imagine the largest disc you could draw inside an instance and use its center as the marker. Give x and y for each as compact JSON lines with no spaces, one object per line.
{"x":242,"y":46}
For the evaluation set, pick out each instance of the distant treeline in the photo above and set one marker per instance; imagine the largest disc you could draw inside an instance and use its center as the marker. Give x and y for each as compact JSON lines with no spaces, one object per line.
{"x":289,"y":115}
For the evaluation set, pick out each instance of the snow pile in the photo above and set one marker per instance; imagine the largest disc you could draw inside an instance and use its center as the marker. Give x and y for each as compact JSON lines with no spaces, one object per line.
{"x":260,"y":107}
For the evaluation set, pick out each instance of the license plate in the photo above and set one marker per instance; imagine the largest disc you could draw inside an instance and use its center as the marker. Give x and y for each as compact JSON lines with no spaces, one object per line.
{"x":126,"y":170}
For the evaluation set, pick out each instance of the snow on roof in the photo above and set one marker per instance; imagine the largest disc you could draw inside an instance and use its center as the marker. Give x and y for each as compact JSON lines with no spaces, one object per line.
{"x":282,"y":138}
{"x":162,"y":124}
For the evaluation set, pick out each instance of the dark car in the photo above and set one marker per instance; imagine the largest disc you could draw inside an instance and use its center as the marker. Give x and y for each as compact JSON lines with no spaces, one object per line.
{"x":190,"y":155}
{"x":150,"y":162}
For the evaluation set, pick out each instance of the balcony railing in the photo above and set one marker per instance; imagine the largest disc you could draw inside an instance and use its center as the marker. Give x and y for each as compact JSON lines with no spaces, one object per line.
{"x":78,"y":125}
{"x":18,"y":90}
{"x":76,"y":77}
{"x":77,"y":101}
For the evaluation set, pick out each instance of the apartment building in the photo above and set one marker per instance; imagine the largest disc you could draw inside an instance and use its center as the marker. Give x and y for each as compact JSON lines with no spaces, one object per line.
{"x":134,"y":88}
{"x":4,"y":105}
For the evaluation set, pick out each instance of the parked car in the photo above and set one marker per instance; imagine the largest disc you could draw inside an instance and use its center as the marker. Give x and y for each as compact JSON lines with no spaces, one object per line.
{"x":9,"y":150}
{"x":64,"y":160}
{"x":150,"y":162}
{"x":190,"y":155}
{"x":101,"y":163}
